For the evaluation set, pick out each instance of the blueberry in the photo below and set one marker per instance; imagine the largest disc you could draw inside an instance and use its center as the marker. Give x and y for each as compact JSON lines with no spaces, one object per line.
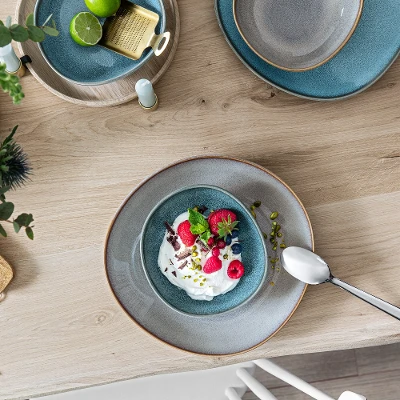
{"x":228,"y":240}
{"x":236,"y":248}
{"x":235,"y":234}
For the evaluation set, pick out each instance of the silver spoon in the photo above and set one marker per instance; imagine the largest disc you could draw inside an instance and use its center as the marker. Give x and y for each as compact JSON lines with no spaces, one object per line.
{"x":310,"y":268}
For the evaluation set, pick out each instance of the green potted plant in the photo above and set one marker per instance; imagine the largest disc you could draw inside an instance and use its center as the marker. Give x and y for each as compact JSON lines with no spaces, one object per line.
{"x":14,"y":172}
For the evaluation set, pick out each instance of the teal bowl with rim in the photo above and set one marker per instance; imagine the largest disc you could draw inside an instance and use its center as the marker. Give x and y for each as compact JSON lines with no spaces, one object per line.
{"x":254,"y":252}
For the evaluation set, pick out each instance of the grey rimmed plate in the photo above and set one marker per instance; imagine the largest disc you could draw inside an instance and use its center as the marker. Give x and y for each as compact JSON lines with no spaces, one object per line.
{"x":296,"y":35}
{"x":239,"y":331}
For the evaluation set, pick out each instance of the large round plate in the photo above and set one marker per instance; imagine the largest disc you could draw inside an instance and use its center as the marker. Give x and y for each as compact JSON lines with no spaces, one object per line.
{"x":373,"y":47}
{"x":87,"y":65}
{"x":238,"y":330}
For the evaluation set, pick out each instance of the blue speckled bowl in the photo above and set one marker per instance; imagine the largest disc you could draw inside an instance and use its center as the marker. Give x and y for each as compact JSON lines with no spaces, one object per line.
{"x":87,"y":65}
{"x":373,"y":47}
{"x":254,"y":254}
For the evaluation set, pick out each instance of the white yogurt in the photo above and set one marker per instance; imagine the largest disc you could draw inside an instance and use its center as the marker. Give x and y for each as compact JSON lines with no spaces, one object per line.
{"x":197,"y":284}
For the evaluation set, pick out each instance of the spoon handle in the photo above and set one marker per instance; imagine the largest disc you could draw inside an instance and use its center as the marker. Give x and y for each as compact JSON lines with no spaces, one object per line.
{"x":375,"y":301}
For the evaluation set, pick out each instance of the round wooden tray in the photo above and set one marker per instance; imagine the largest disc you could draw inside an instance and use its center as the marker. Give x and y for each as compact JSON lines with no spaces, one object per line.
{"x":110,"y":94}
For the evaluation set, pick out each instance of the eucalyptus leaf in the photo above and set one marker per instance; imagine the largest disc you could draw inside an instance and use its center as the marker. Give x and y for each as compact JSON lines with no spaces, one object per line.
{"x":6,"y":210}
{"x":24,"y":219}
{"x":19,"y":33}
{"x":47,"y":19}
{"x":29,"y":20}
{"x":4,"y":189}
{"x":17,"y":227}
{"x":29,"y":232}
{"x":5,"y":36}
{"x":2,"y":231}
{"x":36,"y":34}
{"x":1,"y":23}
{"x":48,"y":30}
{"x":8,"y":21}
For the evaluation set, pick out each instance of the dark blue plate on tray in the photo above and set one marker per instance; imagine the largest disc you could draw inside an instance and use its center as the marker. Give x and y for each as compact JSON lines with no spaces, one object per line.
{"x":87,"y":65}
{"x":371,"y":50}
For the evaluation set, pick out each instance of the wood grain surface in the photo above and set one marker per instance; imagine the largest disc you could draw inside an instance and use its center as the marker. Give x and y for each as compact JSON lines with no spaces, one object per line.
{"x":60,"y":327}
{"x":110,"y":94}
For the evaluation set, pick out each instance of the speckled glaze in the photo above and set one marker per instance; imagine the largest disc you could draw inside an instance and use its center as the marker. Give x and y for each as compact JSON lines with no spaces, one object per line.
{"x":254,"y":256}
{"x":238,"y":330}
{"x":372,"y":48}
{"x":296,"y":35}
{"x":86,"y":65}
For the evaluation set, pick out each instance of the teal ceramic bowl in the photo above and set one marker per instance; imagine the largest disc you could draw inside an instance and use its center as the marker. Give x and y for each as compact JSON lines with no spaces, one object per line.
{"x":254,"y":253}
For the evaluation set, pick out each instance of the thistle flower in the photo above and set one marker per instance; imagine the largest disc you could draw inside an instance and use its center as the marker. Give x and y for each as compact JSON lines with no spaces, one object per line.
{"x":14,"y":166}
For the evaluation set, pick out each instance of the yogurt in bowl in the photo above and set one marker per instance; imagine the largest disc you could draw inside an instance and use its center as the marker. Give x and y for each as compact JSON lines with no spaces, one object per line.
{"x":202,"y":251}
{"x":203,"y":269}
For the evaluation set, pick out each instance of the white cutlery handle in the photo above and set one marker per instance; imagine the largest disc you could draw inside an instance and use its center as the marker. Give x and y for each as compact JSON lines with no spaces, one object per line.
{"x":369,"y":298}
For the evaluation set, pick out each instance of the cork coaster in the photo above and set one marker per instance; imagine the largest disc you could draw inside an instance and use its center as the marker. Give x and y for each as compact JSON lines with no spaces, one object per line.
{"x":6,"y":274}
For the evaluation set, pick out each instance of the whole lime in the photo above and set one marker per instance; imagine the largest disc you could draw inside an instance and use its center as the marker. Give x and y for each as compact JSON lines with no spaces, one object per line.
{"x":103,"y":8}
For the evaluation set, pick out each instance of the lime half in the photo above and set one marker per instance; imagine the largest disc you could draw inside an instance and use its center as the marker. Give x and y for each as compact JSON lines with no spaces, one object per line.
{"x":85,"y":29}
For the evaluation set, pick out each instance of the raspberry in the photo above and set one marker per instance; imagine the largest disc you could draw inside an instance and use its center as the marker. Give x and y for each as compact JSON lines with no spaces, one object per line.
{"x":235,"y":269}
{"x":221,"y":244}
{"x":222,"y":222}
{"x":213,"y":264}
{"x":215,"y":252}
{"x":187,"y":237}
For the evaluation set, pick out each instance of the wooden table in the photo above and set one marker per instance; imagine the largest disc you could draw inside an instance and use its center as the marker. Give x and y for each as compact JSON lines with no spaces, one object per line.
{"x":60,"y":327}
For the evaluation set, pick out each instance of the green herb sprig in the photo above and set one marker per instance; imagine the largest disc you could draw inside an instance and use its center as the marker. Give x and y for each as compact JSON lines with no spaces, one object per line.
{"x":199,"y":226}
{"x":10,"y":84}
{"x":30,"y":31}
{"x":7,"y":209}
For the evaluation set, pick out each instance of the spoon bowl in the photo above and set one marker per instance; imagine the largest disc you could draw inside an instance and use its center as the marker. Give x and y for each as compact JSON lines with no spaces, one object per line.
{"x":310,"y":268}
{"x":305,"y":265}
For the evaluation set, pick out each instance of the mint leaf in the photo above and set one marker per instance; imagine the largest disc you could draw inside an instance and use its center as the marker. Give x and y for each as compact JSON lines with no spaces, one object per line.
{"x":196,"y":218}
{"x":197,"y":229}
{"x":205,"y":236}
{"x":198,"y":224}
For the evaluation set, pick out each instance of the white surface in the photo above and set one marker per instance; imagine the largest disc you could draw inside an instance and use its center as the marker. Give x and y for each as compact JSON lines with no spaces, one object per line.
{"x":214,"y":384}
{"x":254,"y":385}
{"x":145,"y":92}
{"x":351,"y":396}
{"x":200,"y":385}
{"x":291,"y":379}
{"x":8,"y":57}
